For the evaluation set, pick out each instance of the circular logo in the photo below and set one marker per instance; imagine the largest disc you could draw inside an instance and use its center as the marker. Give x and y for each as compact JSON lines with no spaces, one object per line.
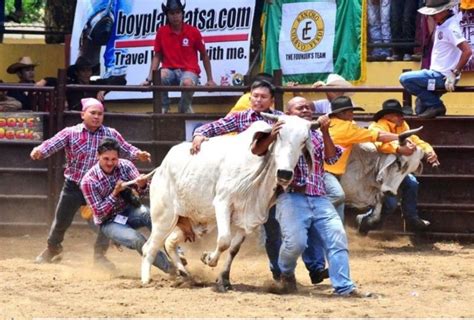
{"x":307,"y":30}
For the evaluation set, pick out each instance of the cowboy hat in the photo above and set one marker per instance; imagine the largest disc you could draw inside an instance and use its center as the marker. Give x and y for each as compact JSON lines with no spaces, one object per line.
{"x":81,"y":63}
{"x":436,"y":6}
{"x":23,"y":62}
{"x":343,"y":103}
{"x":389,"y":106}
{"x":335,"y":80}
{"x":172,"y":5}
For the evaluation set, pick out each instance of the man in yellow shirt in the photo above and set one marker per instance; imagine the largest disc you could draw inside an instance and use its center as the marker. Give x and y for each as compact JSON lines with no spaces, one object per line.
{"x":345,"y":133}
{"x":391,"y":119}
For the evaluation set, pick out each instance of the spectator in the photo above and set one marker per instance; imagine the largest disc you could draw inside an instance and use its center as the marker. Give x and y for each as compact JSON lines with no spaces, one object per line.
{"x":80,"y":73}
{"x":103,"y":188}
{"x":403,"y":27}
{"x":243,"y":103}
{"x":25,"y":70}
{"x":450,"y":53}
{"x":391,"y":119}
{"x":8,"y":103}
{"x":324,"y":105}
{"x":176,"y":48}
{"x":80,"y":143}
{"x":378,"y":14}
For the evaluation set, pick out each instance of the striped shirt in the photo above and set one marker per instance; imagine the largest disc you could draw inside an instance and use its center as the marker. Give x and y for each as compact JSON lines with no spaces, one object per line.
{"x":314,"y":182}
{"x":97,"y":188}
{"x":234,"y":122}
{"x":80,"y":146}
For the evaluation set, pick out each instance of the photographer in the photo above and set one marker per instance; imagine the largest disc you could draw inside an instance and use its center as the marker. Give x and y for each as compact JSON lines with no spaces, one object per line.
{"x":118,"y":217}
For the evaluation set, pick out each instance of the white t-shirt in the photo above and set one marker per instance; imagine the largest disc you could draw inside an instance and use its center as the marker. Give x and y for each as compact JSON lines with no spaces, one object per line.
{"x":446,"y":54}
{"x":322,"y":106}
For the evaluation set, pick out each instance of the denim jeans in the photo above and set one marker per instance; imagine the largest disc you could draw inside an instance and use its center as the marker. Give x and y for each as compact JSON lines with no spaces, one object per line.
{"x":378,"y":18}
{"x":335,"y":193}
{"x":127,"y":235}
{"x":70,"y":200}
{"x":304,"y":219}
{"x":416,"y":83}
{"x":408,"y":194}
{"x":170,"y":77}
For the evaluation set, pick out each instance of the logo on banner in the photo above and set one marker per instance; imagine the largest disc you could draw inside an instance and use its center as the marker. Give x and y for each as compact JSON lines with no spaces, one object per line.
{"x":307,"y":30}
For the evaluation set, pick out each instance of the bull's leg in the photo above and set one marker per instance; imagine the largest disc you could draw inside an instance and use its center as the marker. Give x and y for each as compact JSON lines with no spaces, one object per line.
{"x":223,"y":281}
{"x":171,"y":246}
{"x":223,"y":233}
{"x":161,"y":228}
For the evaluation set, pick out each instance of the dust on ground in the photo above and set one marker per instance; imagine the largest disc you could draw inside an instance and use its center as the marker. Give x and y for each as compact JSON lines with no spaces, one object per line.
{"x":429,"y":280}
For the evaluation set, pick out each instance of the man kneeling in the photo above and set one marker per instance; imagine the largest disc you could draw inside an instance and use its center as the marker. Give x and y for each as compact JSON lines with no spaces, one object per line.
{"x":103,"y":188}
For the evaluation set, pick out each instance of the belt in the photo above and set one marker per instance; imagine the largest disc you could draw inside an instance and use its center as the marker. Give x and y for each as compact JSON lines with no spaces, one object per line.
{"x":297,"y":189}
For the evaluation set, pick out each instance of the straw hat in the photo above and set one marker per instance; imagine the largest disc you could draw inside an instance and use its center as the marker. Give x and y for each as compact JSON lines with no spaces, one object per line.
{"x":336,"y":80}
{"x":436,"y":6}
{"x":23,"y":62}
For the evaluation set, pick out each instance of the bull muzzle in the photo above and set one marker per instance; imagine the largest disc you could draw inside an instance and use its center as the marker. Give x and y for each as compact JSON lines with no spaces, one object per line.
{"x":284,"y":177}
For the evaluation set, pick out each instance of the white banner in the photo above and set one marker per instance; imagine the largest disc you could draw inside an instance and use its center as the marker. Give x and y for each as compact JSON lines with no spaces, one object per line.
{"x":127,"y":51}
{"x":307,"y":37}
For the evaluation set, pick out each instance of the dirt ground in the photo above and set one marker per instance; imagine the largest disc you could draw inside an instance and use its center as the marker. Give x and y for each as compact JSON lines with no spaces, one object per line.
{"x":430,"y":280}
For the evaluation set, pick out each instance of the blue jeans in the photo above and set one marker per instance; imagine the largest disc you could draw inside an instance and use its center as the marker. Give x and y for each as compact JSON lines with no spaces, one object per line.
{"x":408,"y":193}
{"x":128,"y":236}
{"x":70,"y":200}
{"x":416,"y":83}
{"x":335,"y":193}
{"x":304,"y":219}
{"x":378,"y":18}
{"x":170,"y":77}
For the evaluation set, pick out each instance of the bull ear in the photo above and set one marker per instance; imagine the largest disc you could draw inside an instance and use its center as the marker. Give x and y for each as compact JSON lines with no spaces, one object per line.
{"x":315,"y":125}
{"x":391,"y":158}
{"x":403,"y":136}
{"x":260,"y":129}
{"x":269,"y":116}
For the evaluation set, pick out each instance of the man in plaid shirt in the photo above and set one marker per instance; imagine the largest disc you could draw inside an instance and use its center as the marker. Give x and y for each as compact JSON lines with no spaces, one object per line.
{"x":305,"y":214}
{"x":80,"y":144}
{"x":102,"y":186}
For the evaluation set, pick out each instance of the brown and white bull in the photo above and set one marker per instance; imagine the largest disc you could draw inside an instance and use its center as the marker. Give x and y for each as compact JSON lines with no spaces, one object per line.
{"x":370,"y":175}
{"x":224,"y":184}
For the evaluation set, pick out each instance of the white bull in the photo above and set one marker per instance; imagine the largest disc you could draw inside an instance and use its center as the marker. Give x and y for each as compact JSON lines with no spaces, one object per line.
{"x":370,"y":175}
{"x":224,"y":184}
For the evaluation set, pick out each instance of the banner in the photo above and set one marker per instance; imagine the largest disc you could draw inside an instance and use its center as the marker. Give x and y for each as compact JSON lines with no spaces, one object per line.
{"x":467,"y":28}
{"x":21,"y":126}
{"x":310,"y":39}
{"x":128,"y":49}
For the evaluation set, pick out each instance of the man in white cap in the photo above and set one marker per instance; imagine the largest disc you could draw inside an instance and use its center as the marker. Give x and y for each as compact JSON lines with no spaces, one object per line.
{"x":450,"y":53}
{"x":80,"y":143}
{"x":334,"y":80}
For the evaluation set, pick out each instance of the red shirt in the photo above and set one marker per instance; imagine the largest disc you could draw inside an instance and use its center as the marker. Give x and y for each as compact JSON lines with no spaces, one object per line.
{"x":179,"y":51}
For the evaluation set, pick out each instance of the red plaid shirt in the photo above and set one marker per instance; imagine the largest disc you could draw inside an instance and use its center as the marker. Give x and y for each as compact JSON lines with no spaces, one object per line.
{"x":80,"y":146}
{"x":314,"y":182}
{"x":97,"y":188}
{"x":234,"y":122}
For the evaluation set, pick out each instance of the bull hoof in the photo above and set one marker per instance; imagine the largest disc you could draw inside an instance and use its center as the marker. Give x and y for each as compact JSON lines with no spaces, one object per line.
{"x":223,"y":283}
{"x":206,"y":259}
{"x":363,"y":226}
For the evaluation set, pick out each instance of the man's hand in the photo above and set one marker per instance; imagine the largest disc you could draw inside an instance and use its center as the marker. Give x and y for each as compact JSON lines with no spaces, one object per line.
{"x":318,"y":84}
{"x":450,"y":82}
{"x":210,"y":83}
{"x":144,"y":156}
{"x":119,"y":186}
{"x":36,"y":154}
{"x":197,"y":141}
{"x":276,"y":129}
{"x":432,"y":158}
{"x":145,"y":83}
{"x":324,"y":123}
{"x":406,"y":150}
{"x":185,"y":225}
{"x":100,"y":96}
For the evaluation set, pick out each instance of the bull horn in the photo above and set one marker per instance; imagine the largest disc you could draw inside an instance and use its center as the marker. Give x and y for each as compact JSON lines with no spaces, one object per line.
{"x":403,"y":136}
{"x":269,"y":116}
{"x":315,"y":125}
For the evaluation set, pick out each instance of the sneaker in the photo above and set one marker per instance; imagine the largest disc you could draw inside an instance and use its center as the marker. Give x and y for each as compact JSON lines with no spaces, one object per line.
{"x":417,"y":224}
{"x":50,"y":254}
{"x":394,"y":57}
{"x":319,"y":275}
{"x":358,"y":294}
{"x":286,"y":285}
{"x":407,"y":110}
{"x":101,"y":261}
{"x":407,"y":57}
{"x":432,"y":113}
